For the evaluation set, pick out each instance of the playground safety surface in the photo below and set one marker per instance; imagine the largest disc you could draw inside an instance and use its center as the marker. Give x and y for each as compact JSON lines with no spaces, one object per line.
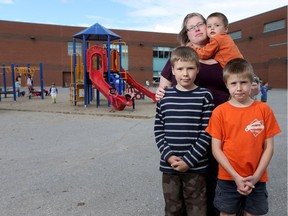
{"x":143,"y":108}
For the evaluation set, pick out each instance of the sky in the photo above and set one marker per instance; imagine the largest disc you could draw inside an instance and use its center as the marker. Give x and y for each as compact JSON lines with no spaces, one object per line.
{"x":139,"y":15}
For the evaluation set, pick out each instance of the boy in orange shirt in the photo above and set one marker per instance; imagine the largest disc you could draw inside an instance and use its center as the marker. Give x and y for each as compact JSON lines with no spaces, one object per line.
{"x":242,"y":131}
{"x":221,"y":46}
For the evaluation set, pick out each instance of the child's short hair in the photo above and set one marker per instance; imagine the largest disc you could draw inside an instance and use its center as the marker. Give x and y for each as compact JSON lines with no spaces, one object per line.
{"x":240,"y":67}
{"x":185,"y":54}
{"x":221,"y":16}
{"x":256,"y":79}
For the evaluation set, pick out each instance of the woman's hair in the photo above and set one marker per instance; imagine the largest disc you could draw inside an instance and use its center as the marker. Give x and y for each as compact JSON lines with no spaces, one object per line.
{"x":182,"y":36}
{"x":240,"y":67}
{"x":185,"y":54}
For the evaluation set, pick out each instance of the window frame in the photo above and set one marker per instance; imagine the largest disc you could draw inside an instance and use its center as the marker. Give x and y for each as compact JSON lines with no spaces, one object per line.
{"x":233,"y":34}
{"x":274,"y":26}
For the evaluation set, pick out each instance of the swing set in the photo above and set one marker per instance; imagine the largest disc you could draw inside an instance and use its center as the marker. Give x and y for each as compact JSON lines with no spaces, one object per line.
{"x":11,"y":74}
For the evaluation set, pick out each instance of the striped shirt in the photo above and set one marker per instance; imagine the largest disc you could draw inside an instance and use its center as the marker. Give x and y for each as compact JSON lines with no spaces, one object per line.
{"x":180,"y":122}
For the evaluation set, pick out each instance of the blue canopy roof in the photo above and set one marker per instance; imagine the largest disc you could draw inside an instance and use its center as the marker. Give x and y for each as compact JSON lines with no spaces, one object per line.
{"x":98,"y":33}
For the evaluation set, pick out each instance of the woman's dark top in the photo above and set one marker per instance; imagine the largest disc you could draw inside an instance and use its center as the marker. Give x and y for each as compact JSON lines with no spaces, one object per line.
{"x":209,"y":76}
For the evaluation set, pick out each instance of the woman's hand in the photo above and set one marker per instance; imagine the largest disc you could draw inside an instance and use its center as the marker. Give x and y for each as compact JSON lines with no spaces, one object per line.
{"x":160,"y":92}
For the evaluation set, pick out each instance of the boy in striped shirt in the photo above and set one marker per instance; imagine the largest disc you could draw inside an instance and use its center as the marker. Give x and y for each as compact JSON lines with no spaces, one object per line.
{"x":180,"y":122}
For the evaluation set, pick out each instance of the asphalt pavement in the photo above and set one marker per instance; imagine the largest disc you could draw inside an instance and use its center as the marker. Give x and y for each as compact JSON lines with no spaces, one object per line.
{"x":62,"y":160}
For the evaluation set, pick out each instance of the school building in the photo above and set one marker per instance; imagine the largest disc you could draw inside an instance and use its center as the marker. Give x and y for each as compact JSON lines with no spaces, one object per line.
{"x":262,"y":39}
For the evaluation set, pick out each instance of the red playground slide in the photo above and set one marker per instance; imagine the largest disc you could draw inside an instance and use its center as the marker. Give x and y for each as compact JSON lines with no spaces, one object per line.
{"x":97,"y":77}
{"x":139,"y":87}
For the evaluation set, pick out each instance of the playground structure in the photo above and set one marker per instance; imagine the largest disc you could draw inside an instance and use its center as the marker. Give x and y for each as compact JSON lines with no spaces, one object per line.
{"x":20,"y":72}
{"x":99,"y":68}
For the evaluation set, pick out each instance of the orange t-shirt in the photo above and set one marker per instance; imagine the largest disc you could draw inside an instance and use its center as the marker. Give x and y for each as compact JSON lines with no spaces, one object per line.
{"x":221,"y":48}
{"x":243,"y":132}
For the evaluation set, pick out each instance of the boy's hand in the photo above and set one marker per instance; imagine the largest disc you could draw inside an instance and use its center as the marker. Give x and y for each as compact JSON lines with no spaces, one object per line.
{"x":173,"y":159}
{"x":244,"y":187}
{"x":189,"y":44}
{"x":180,"y":166}
{"x":246,"y":191}
{"x":250,"y":181}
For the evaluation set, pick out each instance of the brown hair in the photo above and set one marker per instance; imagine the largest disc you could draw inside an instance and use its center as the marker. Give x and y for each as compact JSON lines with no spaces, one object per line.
{"x":185,"y":54}
{"x":182,"y":36}
{"x":240,"y":67}
{"x":221,"y":16}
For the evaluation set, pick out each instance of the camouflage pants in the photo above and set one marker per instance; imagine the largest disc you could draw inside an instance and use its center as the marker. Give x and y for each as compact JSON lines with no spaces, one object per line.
{"x":184,"y":194}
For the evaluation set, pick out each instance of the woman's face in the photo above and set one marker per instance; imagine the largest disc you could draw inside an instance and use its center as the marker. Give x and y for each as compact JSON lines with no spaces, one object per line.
{"x":196,"y":31}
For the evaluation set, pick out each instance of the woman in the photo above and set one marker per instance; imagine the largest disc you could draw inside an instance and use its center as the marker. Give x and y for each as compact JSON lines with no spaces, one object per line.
{"x":210,"y":76}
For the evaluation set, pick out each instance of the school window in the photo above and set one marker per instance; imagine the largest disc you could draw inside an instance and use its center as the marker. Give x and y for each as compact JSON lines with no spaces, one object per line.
{"x":273,"y":26}
{"x":78,"y":48}
{"x":155,"y":53}
{"x":236,"y":35}
{"x":162,"y":52}
{"x":160,"y":56}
